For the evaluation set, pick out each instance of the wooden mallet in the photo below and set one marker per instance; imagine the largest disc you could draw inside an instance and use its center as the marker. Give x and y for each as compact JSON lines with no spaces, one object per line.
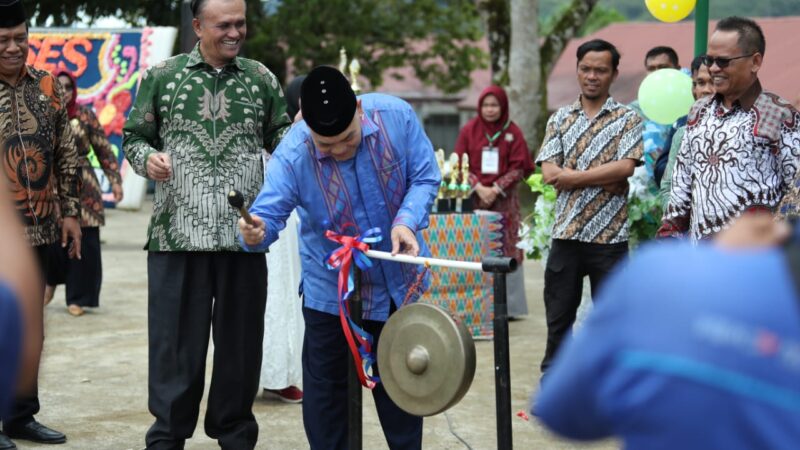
{"x":236,"y":199}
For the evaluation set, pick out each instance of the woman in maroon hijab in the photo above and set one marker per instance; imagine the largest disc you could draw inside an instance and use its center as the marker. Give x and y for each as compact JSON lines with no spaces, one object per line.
{"x":83,"y":276}
{"x":498,"y":160}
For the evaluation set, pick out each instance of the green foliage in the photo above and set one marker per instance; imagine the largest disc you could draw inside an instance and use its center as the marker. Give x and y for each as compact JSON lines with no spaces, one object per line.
{"x":599,"y":18}
{"x":435,"y":37}
{"x":537,"y":227}
{"x":644,"y":218}
{"x":536,"y":183}
{"x":63,"y":13}
{"x":497,"y":21}
{"x":644,"y":214}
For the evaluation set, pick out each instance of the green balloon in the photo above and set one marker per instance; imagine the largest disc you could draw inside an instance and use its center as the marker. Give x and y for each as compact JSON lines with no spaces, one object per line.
{"x":666,"y":95}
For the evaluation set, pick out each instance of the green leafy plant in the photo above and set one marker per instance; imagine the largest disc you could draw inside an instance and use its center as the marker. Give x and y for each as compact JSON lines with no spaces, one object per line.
{"x":538,"y":226}
{"x":644,"y":214}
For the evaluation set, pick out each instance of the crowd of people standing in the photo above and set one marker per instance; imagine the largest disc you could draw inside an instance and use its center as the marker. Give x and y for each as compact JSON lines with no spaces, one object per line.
{"x":316,"y":159}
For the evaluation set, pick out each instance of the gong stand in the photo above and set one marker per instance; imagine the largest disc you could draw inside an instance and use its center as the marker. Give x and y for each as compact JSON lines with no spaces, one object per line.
{"x":499,"y":266}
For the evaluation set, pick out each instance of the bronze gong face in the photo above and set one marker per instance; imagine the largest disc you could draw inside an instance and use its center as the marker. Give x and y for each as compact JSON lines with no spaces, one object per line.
{"x":426,"y":359}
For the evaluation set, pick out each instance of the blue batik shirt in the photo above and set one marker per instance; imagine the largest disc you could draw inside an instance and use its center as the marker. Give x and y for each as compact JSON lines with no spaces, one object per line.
{"x":392,"y":180}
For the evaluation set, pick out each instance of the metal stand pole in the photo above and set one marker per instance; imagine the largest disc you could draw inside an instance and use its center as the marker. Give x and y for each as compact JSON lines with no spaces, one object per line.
{"x":354,"y":403}
{"x":502,"y":364}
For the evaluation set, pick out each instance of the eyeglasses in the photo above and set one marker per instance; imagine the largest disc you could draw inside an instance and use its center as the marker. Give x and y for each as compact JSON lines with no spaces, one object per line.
{"x":721,"y":62}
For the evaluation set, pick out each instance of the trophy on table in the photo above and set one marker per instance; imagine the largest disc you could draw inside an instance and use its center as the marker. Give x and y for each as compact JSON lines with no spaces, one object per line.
{"x":454,"y":187}
{"x":342,"y":60}
{"x":355,"y":69}
{"x":464,"y":202}
{"x":440,"y":204}
{"x":453,"y":164}
{"x":442,"y":185}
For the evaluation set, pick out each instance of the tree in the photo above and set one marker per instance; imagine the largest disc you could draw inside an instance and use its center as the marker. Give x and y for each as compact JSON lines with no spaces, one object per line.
{"x":63,"y":13}
{"x":437,"y":38}
{"x":530,"y":65}
{"x":525,"y":73}
{"x":495,"y":15}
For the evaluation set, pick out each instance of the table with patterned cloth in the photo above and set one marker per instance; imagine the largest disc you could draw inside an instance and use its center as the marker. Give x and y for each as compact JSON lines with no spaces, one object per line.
{"x":466,"y":294}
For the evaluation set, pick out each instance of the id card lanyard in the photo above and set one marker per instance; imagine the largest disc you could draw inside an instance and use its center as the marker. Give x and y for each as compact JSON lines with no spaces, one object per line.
{"x":490,"y":156}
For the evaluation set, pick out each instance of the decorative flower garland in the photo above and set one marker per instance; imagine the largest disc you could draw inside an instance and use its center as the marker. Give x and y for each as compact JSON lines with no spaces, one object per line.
{"x":644,"y":214}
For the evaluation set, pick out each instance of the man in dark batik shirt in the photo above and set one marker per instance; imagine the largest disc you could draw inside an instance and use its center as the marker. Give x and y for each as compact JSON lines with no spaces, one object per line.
{"x":741,"y":147}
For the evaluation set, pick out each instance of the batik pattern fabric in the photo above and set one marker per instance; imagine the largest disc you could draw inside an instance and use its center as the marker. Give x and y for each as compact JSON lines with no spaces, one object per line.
{"x":574,"y":141}
{"x":214,"y":126}
{"x":467,"y":295}
{"x":666,"y":181}
{"x":731,"y":161}
{"x":506,"y":204}
{"x":89,"y":134}
{"x":39,"y":157}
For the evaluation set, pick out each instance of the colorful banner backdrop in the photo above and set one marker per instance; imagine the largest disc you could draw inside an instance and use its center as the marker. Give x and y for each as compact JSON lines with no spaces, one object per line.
{"x":107,"y":65}
{"x":467,"y":295}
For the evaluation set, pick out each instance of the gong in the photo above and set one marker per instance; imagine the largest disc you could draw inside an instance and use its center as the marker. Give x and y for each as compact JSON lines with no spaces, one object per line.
{"x":426,"y":359}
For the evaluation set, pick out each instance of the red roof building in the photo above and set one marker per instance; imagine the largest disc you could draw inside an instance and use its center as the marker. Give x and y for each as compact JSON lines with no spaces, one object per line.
{"x":780,"y":72}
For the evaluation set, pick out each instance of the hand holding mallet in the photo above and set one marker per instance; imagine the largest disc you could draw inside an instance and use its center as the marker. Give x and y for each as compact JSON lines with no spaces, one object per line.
{"x":236,"y":199}
{"x":252,"y":228}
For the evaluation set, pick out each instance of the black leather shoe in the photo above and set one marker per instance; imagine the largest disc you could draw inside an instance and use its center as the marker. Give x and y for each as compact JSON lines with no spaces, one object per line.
{"x":5,"y":443}
{"x":36,"y":432}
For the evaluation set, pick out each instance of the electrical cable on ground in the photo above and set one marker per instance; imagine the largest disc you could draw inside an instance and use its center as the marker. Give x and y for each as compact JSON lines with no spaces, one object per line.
{"x":453,"y":432}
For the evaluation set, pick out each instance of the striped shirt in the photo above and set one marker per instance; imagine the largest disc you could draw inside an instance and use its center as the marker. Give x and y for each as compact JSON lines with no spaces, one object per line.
{"x":574,"y":141}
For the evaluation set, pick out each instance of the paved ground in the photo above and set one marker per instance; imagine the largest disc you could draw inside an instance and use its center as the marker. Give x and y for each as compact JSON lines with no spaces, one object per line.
{"x":93,"y":384}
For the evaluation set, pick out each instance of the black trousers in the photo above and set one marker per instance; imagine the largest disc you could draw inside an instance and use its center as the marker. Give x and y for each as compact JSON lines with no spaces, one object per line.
{"x":325,"y":364}
{"x":568,"y":263}
{"x":82,"y":277}
{"x":189,"y":295}
{"x":25,"y":407}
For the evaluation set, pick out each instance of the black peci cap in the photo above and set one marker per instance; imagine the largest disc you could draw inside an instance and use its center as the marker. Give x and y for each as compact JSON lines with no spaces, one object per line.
{"x":327,"y":101}
{"x":11,"y":13}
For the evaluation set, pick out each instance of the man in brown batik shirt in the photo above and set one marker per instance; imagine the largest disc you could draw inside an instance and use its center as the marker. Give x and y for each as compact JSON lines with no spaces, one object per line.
{"x":590,"y":149}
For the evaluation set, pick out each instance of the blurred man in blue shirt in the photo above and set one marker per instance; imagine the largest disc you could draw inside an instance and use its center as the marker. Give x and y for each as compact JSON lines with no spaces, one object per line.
{"x":21,"y":325}
{"x":708,"y":358}
{"x":353,"y":164}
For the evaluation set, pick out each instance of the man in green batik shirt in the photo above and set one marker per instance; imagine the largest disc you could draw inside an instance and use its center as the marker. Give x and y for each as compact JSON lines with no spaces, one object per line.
{"x":199,"y":126}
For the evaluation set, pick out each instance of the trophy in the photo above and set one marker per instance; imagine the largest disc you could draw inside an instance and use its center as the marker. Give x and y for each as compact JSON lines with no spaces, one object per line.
{"x":355,"y":69}
{"x":465,"y":189}
{"x":342,"y":60}
{"x":441,"y":204}
{"x":452,"y":187}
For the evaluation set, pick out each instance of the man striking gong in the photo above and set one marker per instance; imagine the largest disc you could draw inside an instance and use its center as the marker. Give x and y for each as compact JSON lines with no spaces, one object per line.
{"x":353,"y":164}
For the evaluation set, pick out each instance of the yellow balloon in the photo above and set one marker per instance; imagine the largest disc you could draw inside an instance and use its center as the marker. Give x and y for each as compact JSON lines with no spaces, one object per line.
{"x":670,"y":10}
